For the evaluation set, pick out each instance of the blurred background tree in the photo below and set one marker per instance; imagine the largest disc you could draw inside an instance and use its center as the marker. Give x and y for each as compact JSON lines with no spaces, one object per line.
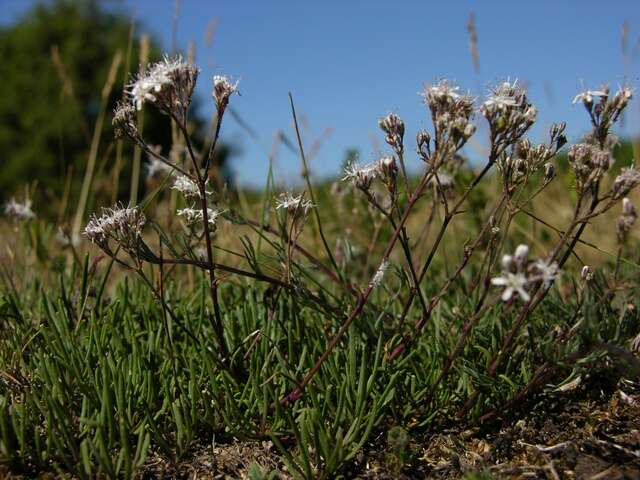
{"x":56,"y":60}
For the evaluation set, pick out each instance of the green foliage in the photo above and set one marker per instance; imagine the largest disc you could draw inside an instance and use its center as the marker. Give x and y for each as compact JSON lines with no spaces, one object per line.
{"x":92,"y":383}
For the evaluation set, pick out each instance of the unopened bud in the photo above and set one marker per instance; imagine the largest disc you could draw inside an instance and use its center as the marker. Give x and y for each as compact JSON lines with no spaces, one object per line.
{"x":388,"y":167}
{"x":549,"y":172}
{"x":423,"y":139}
{"x":521,"y":254}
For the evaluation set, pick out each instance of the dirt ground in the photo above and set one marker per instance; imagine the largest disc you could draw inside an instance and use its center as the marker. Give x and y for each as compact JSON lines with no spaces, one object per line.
{"x":590,"y":432}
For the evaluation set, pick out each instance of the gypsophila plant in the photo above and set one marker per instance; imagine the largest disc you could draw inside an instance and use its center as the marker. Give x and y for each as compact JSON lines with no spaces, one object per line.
{"x":411,"y":292}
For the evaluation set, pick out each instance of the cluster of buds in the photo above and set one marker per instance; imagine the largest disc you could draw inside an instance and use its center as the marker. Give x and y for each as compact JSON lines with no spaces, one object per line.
{"x":19,"y":211}
{"x":589,"y":164}
{"x":122,"y":225}
{"x":222,"y":90}
{"x":518,"y":274}
{"x":509,"y":113}
{"x":451,"y":113}
{"x":296,"y":206}
{"x":606,"y":110}
{"x":626,"y":220}
{"x":558,"y":138}
{"x":393,"y":127}
{"x":526,"y":159}
{"x":167,"y":84}
{"x":627,"y":180}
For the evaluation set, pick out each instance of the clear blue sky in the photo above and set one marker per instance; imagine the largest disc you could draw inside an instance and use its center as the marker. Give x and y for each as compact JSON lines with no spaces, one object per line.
{"x":348,"y":63}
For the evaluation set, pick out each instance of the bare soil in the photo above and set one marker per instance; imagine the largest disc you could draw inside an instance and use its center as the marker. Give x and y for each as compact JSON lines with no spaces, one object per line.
{"x":590,"y":432}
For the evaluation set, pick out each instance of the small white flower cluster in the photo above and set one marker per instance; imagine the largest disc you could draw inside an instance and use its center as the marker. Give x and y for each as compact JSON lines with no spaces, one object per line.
{"x":508,"y":111}
{"x":361,"y":176}
{"x":150,"y":83}
{"x":223,"y":88}
{"x":608,"y":108}
{"x":377,"y":278}
{"x":451,"y":112}
{"x":620,"y":99}
{"x":518,"y":274}
{"x":188,"y":188}
{"x":587,"y":96}
{"x":163,"y":83}
{"x":19,"y":211}
{"x":123,"y":225}
{"x":195,"y":216}
{"x":192,"y":215}
{"x":442,"y":92}
{"x":294,"y":205}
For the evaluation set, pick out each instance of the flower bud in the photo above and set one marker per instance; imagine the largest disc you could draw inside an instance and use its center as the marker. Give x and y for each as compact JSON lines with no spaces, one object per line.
{"x":549,"y":172}
{"x":521,"y":254}
{"x":388,"y":167}
{"x":586,"y":274}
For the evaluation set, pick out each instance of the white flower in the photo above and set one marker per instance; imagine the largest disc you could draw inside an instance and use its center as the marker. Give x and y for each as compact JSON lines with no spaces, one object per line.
{"x":379,"y":275}
{"x":186,"y":186}
{"x":292,"y":204}
{"x":120,"y":224}
{"x":149,"y":83}
{"x":500,"y":102}
{"x":193,"y":215}
{"x":361,"y":176}
{"x":546,"y":272}
{"x":19,"y":211}
{"x":514,"y":283}
{"x":442,"y":91}
{"x":505,"y":96}
{"x":223,"y":89}
{"x":587,"y":96}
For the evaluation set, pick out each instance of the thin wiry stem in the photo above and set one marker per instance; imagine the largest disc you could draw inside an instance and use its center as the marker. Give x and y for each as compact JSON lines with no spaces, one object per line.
{"x":309,"y":188}
{"x":213,"y":284}
{"x":298,"y":391}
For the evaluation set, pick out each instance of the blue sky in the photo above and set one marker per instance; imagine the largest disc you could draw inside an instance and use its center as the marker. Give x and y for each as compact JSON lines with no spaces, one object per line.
{"x":348,"y":63}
